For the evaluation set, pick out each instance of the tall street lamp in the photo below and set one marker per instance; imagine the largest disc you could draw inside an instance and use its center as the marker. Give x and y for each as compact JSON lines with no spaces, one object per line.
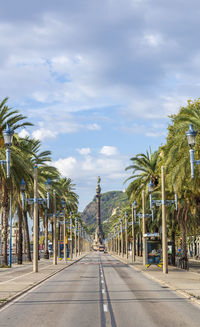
{"x":163,"y":203}
{"x":8,"y":138}
{"x":48,"y":187}
{"x":71,"y":237}
{"x":64,"y":231}
{"x":126,"y":234}
{"x":191,"y":137}
{"x":55,"y":245}
{"x":39,"y":201}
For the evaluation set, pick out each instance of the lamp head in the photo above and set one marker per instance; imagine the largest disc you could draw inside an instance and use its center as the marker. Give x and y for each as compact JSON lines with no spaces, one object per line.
{"x":22,"y":185}
{"x":134,"y":204}
{"x":63,"y":203}
{"x":191,"y":136}
{"x":150,"y":187}
{"x":48,"y":184}
{"x":8,"y":135}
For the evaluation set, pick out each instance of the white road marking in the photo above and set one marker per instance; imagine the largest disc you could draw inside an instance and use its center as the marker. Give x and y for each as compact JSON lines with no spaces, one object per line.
{"x":102,"y":282}
{"x":103,"y":291}
{"x":105,"y":308}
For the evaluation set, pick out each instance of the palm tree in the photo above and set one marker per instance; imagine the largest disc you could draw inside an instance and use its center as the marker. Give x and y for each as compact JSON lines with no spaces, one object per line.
{"x":16,"y":120}
{"x":145,"y":168}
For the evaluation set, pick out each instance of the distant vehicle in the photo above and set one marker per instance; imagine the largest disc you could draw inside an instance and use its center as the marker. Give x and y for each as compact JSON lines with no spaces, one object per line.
{"x":101,"y":248}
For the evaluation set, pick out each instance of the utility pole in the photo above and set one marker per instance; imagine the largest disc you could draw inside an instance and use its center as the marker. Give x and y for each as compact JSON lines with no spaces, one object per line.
{"x":75,"y":237}
{"x":133,"y":237}
{"x":164,"y":227}
{"x":64,"y":236}
{"x":46,"y":253}
{"x":54,"y":230}
{"x":78,"y":238}
{"x":126,"y":231}
{"x":71,"y":240}
{"x":35,"y":224}
{"x":122,"y":241}
{"x":144,"y":231}
{"x":118,"y":240}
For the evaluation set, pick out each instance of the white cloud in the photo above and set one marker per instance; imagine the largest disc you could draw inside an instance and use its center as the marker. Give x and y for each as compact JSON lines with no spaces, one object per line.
{"x":67,"y":166}
{"x":94,"y":127}
{"x":23,"y":133}
{"x":90,"y":166}
{"x":109,"y":150}
{"x":153,"y":39}
{"x":84,"y":151}
{"x":43,"y":133}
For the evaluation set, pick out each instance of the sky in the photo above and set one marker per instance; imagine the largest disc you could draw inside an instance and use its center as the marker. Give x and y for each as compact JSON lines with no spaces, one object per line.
{"x":99,"y":79}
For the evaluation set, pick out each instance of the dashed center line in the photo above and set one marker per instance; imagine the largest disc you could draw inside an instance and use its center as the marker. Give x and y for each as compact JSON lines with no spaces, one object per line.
{"x":103,"y":291}
{"x":105,"y":308}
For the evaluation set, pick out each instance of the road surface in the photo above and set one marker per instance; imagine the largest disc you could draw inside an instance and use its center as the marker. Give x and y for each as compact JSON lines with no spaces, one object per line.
{"x":100,"y":291}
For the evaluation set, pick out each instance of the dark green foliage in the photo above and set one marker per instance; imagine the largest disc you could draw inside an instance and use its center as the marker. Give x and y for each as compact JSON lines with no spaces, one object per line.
{"x":109,"y":202}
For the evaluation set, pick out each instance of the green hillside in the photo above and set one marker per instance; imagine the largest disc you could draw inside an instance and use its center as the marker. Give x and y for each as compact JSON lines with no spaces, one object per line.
{"x":109,"y":202}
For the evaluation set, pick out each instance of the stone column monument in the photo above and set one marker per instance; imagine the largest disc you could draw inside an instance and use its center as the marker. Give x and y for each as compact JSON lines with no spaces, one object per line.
{"x":98,"y":233}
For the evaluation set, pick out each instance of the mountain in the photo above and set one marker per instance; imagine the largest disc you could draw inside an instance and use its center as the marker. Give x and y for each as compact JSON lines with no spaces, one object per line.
{"x":110,"y":201}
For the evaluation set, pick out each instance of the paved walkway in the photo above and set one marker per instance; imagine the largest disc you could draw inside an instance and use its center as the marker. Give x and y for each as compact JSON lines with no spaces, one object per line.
{"x":185,"y":282}
{"x":20,"y":278}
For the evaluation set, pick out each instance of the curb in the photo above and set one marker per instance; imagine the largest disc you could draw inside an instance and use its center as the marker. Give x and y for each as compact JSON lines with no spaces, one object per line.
{"x":183,"y":293}
{"x":37,"y":283}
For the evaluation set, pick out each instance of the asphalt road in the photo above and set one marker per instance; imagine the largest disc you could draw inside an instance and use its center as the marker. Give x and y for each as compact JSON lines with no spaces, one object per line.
{"x":100,"y":291}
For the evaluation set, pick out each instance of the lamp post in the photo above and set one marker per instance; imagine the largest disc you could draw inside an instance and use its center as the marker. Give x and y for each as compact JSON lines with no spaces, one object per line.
{"x":64,"y":230}
{"x":78,"y":238}
{"x":54,"y":230}
{"x":134,"y":206}
{"x":71,"y":235}
{"x":48,"y":186}
{"x":144,"y":230}
{"x":35,"y":222}
{"x":75,"y":230}
{"x":126,"y":235}
{"x":191,"y":137}
{"x":118,"y":227}
{"x":39,"y":201}
{"x":8,"y":138}
{"x":136,"y":215}
{"x":122,"y":241}
{"x":162,"y":203}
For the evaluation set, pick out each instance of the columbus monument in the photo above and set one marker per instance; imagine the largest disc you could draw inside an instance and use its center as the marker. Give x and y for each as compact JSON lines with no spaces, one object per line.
{"x":98,"y":233}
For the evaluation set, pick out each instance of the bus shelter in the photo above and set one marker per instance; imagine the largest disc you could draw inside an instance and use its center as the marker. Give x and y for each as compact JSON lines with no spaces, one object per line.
{"x":154,"y":246}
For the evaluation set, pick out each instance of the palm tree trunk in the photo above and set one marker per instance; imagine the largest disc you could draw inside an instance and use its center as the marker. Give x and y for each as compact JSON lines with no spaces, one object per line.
{"x":24,"y":239}
{"x":5,"y":214}
{"x":174,"y":239}
{"x":46,"y":253}
{"x":184,"y":233}
{"x":16,"y":232}
{"x":27,"y":237}
{"x":20,"y":236}
{"x":173,"y":248}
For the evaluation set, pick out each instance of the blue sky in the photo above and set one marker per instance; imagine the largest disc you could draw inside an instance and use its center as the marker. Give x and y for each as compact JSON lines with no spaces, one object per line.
{"x":99,"y":78}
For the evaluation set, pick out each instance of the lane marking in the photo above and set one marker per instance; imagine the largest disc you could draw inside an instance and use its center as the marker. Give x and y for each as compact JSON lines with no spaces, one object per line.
{"x":103,"y":291}
{"x":105,"y":308}
{"x":102,"y":282}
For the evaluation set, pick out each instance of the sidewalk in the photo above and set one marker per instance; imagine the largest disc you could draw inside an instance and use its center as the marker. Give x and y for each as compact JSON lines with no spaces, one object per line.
{"x":184,"y":282}
{"x":20,"y":278}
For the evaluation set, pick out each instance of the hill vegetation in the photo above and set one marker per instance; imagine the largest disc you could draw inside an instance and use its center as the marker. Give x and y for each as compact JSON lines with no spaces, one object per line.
{"x":110,"y":202}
